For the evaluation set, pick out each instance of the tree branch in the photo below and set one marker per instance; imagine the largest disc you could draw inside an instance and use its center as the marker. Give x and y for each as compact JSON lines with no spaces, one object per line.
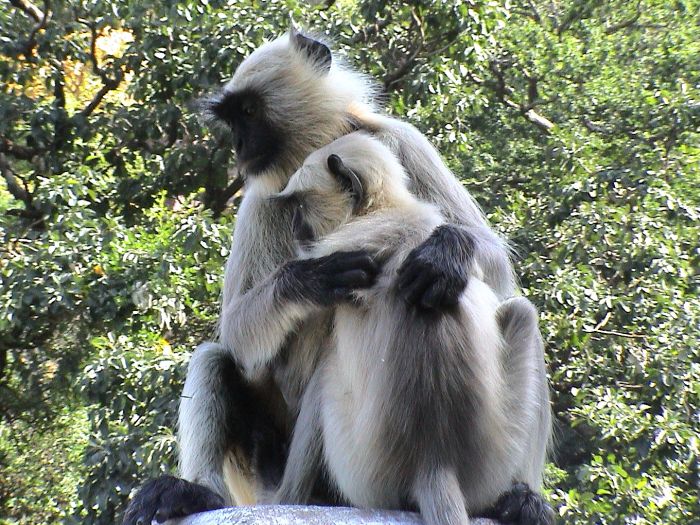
{"x":370,"y":31}
{"x":613,"y":332}
{"x":541,"y":122}
{"x":535,"y":14}
{"x":218,"y":204}
{"x":29,"y":9}
{"x":106,"y":80}
{"x":593,"y":127}
{"x":393,"y":77}
{"x":108,"y":83}
{"x":625,"y":23}
{"x":232,"y":189}
{"x":96,"y":100}
{"x":41,"y":24}
{"x":3,"y":363}
{"x":579,"y":10}
{"x":503,"y":92}
{"x":21,"y":193}
{"x":59,"y":93}
{"x":17,"y":151}
{"x":572,"y":16}
{"x":532,"y":94}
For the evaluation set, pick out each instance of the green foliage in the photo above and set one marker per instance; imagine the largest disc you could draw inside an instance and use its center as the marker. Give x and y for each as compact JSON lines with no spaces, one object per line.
{"x":49,"y":471}
{"x":575,"y":124}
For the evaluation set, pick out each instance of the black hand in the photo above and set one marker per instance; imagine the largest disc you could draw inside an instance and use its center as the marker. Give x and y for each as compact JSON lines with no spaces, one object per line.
{"x":167,"y":498}
{"x":435,"y":274}
{"x":327,"y":280}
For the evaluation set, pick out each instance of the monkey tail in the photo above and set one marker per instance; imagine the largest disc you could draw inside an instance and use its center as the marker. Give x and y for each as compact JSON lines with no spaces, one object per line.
{"x":439,"y":497}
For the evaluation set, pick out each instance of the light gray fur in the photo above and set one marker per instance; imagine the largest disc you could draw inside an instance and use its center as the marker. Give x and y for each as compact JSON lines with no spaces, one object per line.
{"x":201,"y":406}
{"x":437,"y":410}
{"x":527,"y":383}
{"x":431,"y":181}
{"x":283,"y":339}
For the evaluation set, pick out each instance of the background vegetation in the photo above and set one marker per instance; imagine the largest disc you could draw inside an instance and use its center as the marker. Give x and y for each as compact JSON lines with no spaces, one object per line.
{"x":574,"y":122}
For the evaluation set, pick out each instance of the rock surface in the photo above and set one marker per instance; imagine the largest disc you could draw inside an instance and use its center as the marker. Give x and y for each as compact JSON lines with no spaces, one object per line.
{"x":306,"y":515}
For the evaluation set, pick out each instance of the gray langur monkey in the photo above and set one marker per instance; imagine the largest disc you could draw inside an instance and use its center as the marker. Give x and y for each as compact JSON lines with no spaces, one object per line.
{"x":432,"y":409}
{"x":243,"y":393}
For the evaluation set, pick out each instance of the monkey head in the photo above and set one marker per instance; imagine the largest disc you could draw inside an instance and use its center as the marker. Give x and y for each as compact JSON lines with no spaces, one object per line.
{"x":350,"y":177}
{"x":288,"y":98}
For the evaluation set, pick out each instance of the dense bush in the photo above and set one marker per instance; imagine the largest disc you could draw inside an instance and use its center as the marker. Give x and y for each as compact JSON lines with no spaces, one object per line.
{"x":574,"y":123}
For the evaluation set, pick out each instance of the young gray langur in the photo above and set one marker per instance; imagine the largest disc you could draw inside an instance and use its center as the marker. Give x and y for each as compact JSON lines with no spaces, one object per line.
{"x":243,"y":393}
{"x":432,"y":409}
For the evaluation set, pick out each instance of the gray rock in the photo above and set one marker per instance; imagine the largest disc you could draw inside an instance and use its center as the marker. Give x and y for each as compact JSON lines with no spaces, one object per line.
{"x":306,"y":515}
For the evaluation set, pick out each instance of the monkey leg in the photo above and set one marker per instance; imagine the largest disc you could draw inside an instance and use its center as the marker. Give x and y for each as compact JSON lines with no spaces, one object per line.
{"x":528,"y":400}
{"x":204,"y":436}
{"x":306,"y":450}
{"x":229,"y":440}
{"x":229,"y":444}
{"x":208,"y":420}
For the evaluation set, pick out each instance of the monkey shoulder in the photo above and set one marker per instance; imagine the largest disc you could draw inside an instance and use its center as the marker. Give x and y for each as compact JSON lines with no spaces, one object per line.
{"x":395,"y":133}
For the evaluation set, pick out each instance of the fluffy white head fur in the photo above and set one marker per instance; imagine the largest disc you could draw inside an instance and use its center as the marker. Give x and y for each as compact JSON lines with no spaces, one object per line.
{"x":309,"y":105}
{"x":283,"y":70}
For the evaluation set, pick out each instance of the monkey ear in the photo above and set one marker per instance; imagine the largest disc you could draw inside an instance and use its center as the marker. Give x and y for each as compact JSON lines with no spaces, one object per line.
{"x":293,"y":28}
{"x":317,"y":52}
{"x":348,"y":180}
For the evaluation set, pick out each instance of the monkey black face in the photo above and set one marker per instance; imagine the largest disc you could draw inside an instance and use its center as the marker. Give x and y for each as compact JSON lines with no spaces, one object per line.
{"x":258,"y":143}
{"x":301,"y":230}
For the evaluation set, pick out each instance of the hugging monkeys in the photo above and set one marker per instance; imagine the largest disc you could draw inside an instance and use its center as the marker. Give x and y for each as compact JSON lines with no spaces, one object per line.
{"x":365,"y":298}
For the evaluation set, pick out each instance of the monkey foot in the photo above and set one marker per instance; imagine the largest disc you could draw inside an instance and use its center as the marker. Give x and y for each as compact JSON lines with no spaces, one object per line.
{"x":167,"y":498}
{"x":522,"y":506}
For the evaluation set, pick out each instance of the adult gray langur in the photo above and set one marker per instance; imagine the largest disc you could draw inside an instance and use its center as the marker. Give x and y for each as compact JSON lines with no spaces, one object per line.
{"x":243,"y":393}
{"x":410,"y":408}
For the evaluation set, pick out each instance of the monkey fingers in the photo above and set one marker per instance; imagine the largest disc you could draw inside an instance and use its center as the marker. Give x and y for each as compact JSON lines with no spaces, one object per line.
{"x":329,"y":279}
{"x":414,"y":290}
{"x":347,"y":270}
{"x":345,"y":261}
{"x":342,"y":284}
{"x":425,"y":286}
{"x":435,"y":274}
{"x":354,"y":279}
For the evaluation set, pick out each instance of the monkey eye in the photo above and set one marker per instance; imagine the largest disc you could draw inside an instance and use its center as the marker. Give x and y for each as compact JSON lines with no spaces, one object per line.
{"x":248,"y":109}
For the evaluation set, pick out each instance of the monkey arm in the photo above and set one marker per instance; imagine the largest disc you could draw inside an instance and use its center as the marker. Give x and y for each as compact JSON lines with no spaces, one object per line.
{"x":476,"y":244}
{"x":255,"y":324}
{"x":433,"y":182}
{"x":382,"y":234}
